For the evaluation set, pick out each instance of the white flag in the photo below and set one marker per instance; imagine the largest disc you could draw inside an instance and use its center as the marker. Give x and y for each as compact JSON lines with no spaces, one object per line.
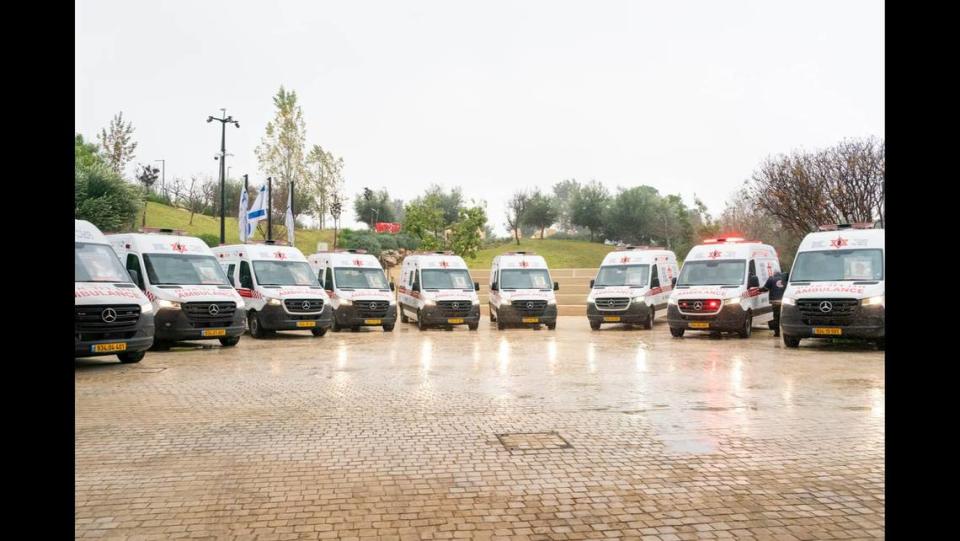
{"x":289,"y":221}
{"x":258,"y":211}
{"x":242,"y":217}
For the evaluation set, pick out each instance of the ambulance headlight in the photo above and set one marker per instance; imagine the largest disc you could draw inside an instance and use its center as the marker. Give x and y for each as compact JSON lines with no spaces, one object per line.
{"x":146,"y":308}
{"x":429,"y":302}
{"x":274,"y":302}
{"x":789,"y":301}
{"x":346,"y":302}
{"x":639,"y":299}
{"x":872,"y":301}
{"x":672,"y":300}
{"x":734,"y":300}
{"x":551,"y":301}
{"x":240,"y":304}
{"x":169,"y":305}
{"x":476,"y":302}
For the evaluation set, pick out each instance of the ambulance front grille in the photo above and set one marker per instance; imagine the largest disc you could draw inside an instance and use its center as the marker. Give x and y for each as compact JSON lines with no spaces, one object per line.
{"x":837,"y":312}
{"x":530,"y":308}
{"x":455,"y":308}
{"x":303,"y":306}
{"x":612,"y":303}
{"x":372,"y":309}
{"x":199,"y":313}
{"x":105,"y":322}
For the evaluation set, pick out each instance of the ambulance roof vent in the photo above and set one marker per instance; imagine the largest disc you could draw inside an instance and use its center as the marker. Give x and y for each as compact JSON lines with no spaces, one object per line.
{"x":443,"y":252}
{"x":858,"y":225}
{"x":354,"y":251}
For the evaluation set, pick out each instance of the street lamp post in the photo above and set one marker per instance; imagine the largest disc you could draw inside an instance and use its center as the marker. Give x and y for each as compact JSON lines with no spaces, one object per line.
{"x":224,"y":120}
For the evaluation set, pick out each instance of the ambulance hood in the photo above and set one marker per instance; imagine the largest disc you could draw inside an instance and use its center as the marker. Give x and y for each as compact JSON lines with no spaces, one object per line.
{"x":193,"y":293}
{"x":834,"y":290}
{"x":708,"y":292}
{"x":364,"y":294}
{"x":618,"y":291}
{"x":299,"y":292}
{"x":87,"y":293}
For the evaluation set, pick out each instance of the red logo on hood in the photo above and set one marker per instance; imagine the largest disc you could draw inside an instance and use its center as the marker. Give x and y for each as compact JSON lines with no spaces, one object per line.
{"x":178,"y":247}
{"x":279,"y":255}
{"x":838,"y":242}
{"x":714,"y":254}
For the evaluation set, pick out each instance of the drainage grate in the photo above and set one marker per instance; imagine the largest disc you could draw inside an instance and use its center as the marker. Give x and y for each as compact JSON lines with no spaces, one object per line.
{"x":533,"y":441}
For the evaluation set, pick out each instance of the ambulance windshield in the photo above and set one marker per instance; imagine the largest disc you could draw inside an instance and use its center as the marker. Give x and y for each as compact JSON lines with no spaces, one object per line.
{"x":712,"y":273}
{"x":446,"y":279}
{"x":525,"y":279}
{"x":838,"y":265}
{"x":357,"y":278}
{"x":285,"y":273}
{"x":97,"y":263}
{"x":182,"y":270}
{"x":623,"y":275}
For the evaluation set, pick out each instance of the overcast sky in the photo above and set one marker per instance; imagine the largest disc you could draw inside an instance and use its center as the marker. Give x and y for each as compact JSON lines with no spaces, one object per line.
{"x":491,"y":96}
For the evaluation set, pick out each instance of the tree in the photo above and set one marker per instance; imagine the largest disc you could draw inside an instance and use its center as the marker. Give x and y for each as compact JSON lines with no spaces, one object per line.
{"x":742,"y":217}
{"x":103,"y":198}
{"x":516,"y":209}
{"x":631,"y":215}
{"x":85,"y":154}
{"x":427,"y":218}
{"x":423,"y":218}
{"x":564,"y":193}
{"x":840,"y":184}
{"x":147,"y":177}
{"x":466,"y":235}
{"x":117,"y":144}
{"x":325,"y":177}
{"x":373,"y":207}
{"x":449,"y":202}
{"x":540,"y":212}
{"x":281,"y":150}
{"x":587,"y":207}
{"x":195,"y":197}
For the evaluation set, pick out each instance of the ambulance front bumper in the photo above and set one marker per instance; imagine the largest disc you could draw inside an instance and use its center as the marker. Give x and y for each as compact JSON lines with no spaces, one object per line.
{"x":436,"y":315}
{"x":635,"y":312}
{"x":138,"y":339}
{"x":175,"y":325}
{"x":353,"y":316}
{"x":512,"y":316}
{"x":276,"y":318}
{"x":730,"y":318}
{"x":866,"y":322}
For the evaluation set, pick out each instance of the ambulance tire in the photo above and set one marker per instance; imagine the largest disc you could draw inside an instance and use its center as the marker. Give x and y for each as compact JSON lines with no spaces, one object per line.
{"x":551,"y":326}
{"x":882,"y":343}
{"x":403,"y":316}
{"x":648,"y":324}
{"x":490,"y":312}
{"x":473,"y":326}
{"x":388,"y":328}
{"x":595,"y":325}
{"x":128,"y":357}
{"x":420,"y":324}
{"x":160,"y":345}
{"x":229,"y":341}
{"x":676,"y":333}
{"x":320,"y":331}
{"x":256,"y":328}
{"x":501,"y":325}
{"x":791,"y":341}
{"x":336,"y":326}
{"x":747,"y":327}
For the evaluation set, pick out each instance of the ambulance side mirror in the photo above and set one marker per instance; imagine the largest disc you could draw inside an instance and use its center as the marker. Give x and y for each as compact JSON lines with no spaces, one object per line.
{"x":753,"y":281}
{"x":476,"y":286}
{"x":556,"y":286}
{"x":673,"y":281}
{"x":393,"y":286}
{"x":654,"y":282}
{"x":591,"y":283}
{"x":248,"y":283}
{"x":493,"y":287}
{"x":416,"y":286}
{"x":135,"y":276}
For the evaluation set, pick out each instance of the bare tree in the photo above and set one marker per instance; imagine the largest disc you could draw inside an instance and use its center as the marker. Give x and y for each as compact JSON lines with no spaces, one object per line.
{"x":117,"y":143}
{"x":516,"y":209}
{"x":175,"y":191}
{"x":195,"y":197}
{"x":843,"y":183}
{"x":147,"y":177}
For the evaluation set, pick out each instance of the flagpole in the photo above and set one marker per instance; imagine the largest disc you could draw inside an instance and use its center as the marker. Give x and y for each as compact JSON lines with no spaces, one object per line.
{"x":269,"y":208}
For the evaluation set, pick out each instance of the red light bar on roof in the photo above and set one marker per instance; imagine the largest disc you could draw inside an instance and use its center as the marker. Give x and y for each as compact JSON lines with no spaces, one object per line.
{"x":858,"y":225}
{"x":723,"y":239}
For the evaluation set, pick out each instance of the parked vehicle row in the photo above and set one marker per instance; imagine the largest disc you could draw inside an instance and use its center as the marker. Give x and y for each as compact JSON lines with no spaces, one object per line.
{"x":134,"y":291}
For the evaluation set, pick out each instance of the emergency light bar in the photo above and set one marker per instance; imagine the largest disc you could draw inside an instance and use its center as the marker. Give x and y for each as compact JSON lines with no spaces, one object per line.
{"x":354,"y":251}
{"x":723,"y":239}
{"x":858,"y":225}
{"x":520,"y":253}
{"x":632,"y":247}
{"x":162,"y":230}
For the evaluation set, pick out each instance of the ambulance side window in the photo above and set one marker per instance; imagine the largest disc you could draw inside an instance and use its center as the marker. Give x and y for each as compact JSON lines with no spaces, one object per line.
{"x":415,"y":279}
{"x":230,"y":274}
{"x":328,"y":279}
{"x":246,"y":280}
{"x":753,"y":269}
{"x":133,"y":264}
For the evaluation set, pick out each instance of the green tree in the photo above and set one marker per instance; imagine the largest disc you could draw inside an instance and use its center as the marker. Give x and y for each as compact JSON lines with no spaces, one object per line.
{"x":587,"y":207}
{"x":631,"y":215}
{"x":541,"y":211}
{"x":564,"y":193}
{"x":85,"y":154}
{"x":281,"y":151}
{"x":516,"y":209}
{"x":373,"y":207}
{"x":117,"y":144}
{"x":466,"y":235}
{"x":103,"y":198}
{"x":423,"y":218}
{"x":325,"y":177}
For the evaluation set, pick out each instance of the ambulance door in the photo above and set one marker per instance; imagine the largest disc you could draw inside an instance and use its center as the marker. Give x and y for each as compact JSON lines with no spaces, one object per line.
{"x":136,"y":269}
{"x":756,"y":299}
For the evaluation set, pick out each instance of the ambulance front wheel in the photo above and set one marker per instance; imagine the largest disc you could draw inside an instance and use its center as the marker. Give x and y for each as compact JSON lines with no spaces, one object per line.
{"x":648,"y":324}
{"x":473,"y":326}
{"x":388,"y":328}
{"x":552,"y":326}
{"x":420,"y":324}
{"x":791,"y":341}
{"x":747,"y":329}
{"x":676,"y":332}
{"x":319,"y":331}
{"x":129,"y":357}
{"x":256,"y":328}
{"x":229,"y":341}
{"x":595,"y":325}
{"x":403,"y":317}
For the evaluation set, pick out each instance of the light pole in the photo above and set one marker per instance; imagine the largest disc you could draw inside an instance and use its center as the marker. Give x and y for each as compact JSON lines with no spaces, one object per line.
{"x":163,"y":175}
{"x":224,"y":120}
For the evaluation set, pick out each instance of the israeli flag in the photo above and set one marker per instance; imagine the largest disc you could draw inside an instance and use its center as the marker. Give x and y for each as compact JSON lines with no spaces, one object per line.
{"x":289,"y":218}
{"x":259,"y":209}
{"x":245,"y":228}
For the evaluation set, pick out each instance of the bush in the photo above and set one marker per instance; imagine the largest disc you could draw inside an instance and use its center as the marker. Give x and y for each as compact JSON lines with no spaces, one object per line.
{"x":211,"y":240}
{"x":406,"y":242}
{"x":159,"y":198}
{"x":359,"y":240}
{"x":387,"y":241}
{"x":103,"y":198}
{"x":582,"y":235}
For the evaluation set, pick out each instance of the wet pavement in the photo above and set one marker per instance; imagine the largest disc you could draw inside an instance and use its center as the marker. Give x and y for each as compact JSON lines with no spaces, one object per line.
{"x":522,"y":434}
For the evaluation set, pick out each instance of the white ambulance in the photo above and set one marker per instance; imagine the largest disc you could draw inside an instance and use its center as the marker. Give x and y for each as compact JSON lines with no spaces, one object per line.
{"x":436,"y":289}
{"x":836,"y":286}
{"x":360,"y":294}
{"x":190,"y":293}
{"x":521,"y":291}
{"x":111,"y":316}
{"x":281,"y":290}
{"x":718,"y":289}
{"x":632,"y":286}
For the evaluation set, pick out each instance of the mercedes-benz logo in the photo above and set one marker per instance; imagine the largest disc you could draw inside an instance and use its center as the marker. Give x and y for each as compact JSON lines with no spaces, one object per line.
{"x":213,"y":309}
{"x":306,"y":305}
{"x":109,"y":315}
{"x":530,"y":305}
{"x":826,"y":306}
{"x":697,"y":305}
{"x":455,"y":306}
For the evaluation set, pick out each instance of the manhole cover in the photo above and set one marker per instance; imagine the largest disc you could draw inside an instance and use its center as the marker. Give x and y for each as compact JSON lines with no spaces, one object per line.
{"x":533,"y":441}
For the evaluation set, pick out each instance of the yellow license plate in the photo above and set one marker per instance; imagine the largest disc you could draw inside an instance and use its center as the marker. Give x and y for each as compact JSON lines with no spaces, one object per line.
{"x":611,"y":318}
{"x":373,"y":322}
{"x":830,"y":331}
{"x":531,"y":320}
{"x":306,"y":324}
{"x":108,"y":348}
{"x":455,"y":320}
{"x":699,"y":324}
{"x":213,"y":332}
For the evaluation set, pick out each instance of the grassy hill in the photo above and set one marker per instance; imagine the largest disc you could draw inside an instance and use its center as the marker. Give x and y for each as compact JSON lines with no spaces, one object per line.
{"x":159,"y":215}
{"x":560,"y":254}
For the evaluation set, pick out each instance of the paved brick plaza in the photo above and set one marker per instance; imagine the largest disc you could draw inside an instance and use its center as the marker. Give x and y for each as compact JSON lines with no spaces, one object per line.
{"x":521,"y":434}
